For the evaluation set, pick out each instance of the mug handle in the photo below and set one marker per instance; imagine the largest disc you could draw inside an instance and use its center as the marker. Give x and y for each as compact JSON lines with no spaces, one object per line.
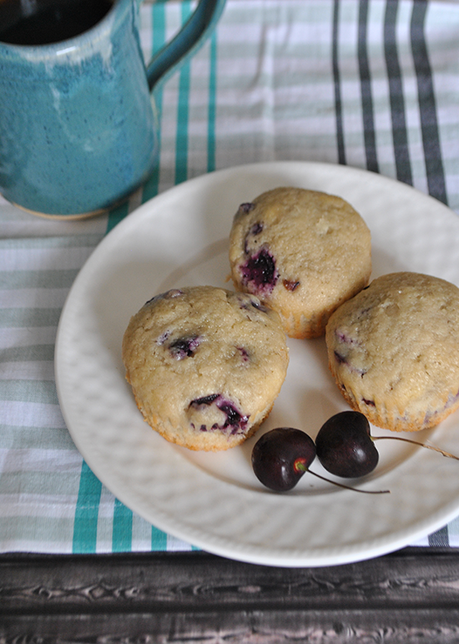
{"x":188,"y":40}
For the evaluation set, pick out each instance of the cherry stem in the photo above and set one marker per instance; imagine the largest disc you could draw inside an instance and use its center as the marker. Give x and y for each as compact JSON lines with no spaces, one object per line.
{"x":300,"y":465}
{"x":302,"y":468}
{"x":409,"y":440}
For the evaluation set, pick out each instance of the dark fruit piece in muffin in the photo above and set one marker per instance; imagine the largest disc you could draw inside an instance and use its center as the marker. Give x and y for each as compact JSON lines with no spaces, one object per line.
{"x":234,"y":420}
{"x":260,"y":271}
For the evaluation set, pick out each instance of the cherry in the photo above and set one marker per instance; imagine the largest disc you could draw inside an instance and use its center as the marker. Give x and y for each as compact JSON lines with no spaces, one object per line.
{"x":281,"y":457}
{"x":345,"y":446}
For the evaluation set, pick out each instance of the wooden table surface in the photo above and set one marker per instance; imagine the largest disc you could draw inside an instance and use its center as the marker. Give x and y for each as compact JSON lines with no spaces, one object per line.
{"x":408,"y":596}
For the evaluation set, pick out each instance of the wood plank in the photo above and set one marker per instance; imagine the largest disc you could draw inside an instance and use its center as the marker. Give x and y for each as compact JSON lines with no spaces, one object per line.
{"x":197,"y":597}
{"x":432,"y":627}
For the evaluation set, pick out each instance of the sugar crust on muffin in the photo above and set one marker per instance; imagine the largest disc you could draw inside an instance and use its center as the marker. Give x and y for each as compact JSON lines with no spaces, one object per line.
{"x":302,"y":252}
{"x":393,"y":350}
{"x":205,"y":365}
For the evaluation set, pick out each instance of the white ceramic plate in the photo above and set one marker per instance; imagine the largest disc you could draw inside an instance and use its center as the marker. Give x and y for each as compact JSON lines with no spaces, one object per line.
{"x":214,"y":500}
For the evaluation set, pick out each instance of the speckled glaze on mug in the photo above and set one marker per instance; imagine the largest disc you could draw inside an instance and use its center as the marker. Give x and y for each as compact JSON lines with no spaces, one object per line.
{"x":77,"y":118}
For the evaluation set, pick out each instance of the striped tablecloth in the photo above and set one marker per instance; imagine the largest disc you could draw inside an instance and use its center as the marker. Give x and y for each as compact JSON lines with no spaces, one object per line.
{"x":369,"y":83}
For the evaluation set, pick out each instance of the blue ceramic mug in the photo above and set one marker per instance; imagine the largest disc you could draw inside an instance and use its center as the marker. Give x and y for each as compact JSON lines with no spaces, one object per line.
{"x":77,"y":118}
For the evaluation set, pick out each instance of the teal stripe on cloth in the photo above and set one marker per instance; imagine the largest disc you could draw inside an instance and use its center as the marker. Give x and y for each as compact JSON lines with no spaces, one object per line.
{"x":212,"y":111}
{"x":122,"y":528}
{"x":181,"y":144}
{"x":86,"y":512}
{"x":158,"y":539}
{"x":116,"y":215}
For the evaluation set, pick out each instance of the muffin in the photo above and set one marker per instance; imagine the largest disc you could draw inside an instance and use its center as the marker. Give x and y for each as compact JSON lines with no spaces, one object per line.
{"x":302,"y":252}
{"x":394,"y":351}
{"x":205,"y":365}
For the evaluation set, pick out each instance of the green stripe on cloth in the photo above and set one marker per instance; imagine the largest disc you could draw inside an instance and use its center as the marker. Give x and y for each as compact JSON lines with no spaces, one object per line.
{"x":30,"y":243}
{"x":86,"y":512}
{"x":33,"y":484}
{"x":30,"y":353}
{"x":36,"y":529}
{"x":29,"y":391}
{"x":51,"y":278}
{"x":20,"y":317}
{"x":25,"y":437}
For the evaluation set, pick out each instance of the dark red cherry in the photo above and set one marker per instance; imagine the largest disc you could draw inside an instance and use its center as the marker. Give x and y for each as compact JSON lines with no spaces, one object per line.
{"x":345,"y":447}
{"x":281,"y":457}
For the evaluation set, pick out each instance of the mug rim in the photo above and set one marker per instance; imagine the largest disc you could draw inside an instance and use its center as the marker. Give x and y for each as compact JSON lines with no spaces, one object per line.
{"x":70,"y":44}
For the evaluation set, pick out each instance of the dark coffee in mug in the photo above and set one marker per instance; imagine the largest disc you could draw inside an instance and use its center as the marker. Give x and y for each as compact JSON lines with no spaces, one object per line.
{"x":42,"y":22}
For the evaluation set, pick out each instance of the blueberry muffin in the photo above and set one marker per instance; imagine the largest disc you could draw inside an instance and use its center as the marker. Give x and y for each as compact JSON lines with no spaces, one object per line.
{"x":394,"y":351}
{"x":205,"y":365}
{"x":302,"y":252}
